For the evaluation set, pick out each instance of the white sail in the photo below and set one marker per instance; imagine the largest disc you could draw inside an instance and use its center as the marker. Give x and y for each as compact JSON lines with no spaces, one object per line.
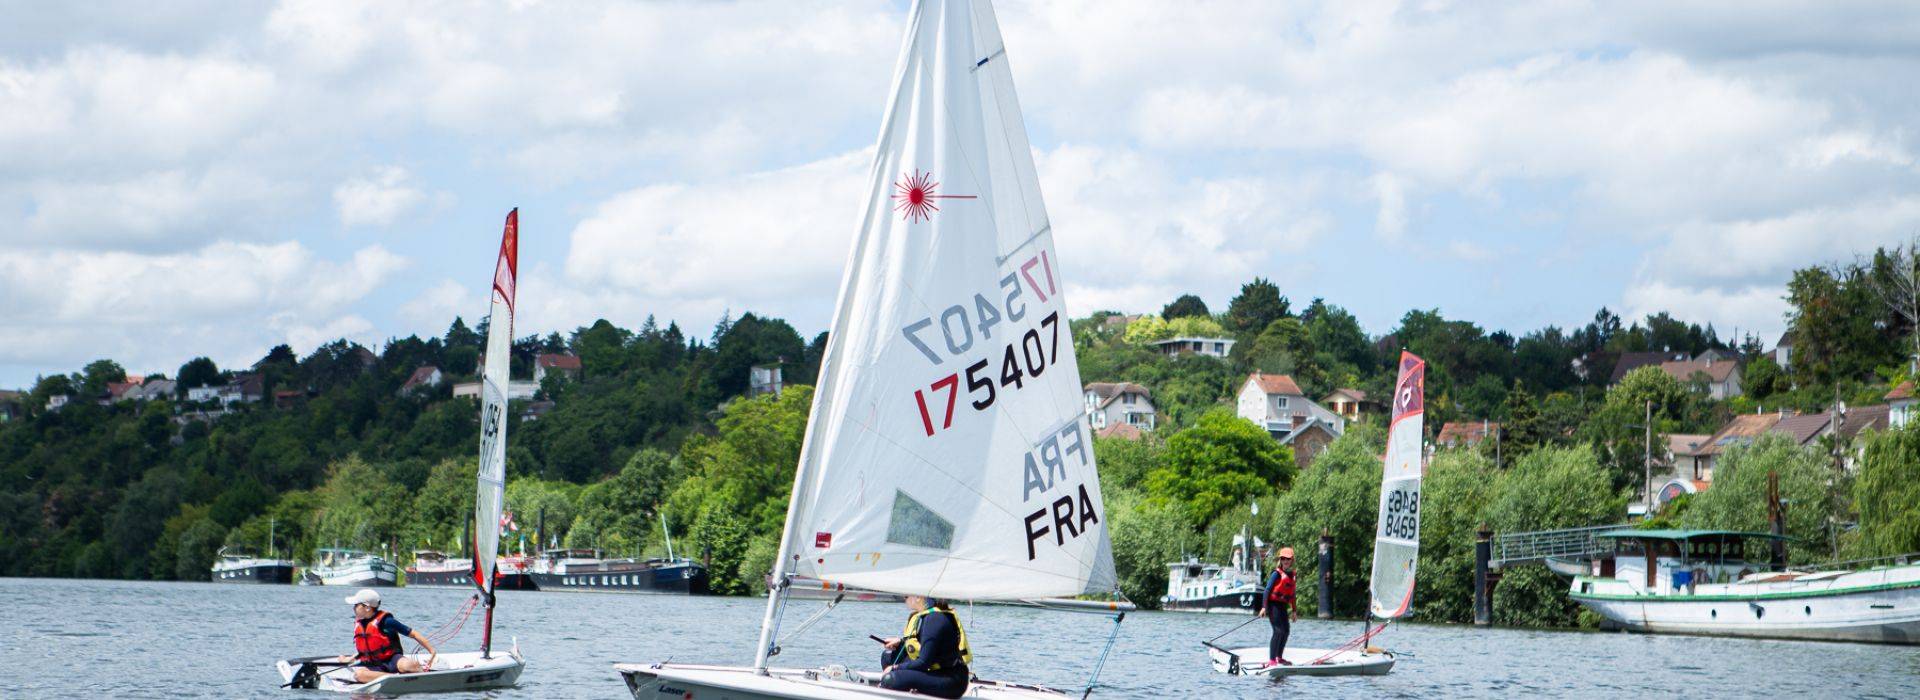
{"x":946,"y":453}
{"x":492,"y":482}
{"x":1396,"y":543}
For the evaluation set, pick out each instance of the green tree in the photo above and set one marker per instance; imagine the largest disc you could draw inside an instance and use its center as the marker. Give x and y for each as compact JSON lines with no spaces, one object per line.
{"x":1458,"y":488}
{"x":197,"y":372}
{"x":1258,"y":304}
{"x":1340,"y":495}
{"x":1887,"y":495}
{"x":1146,"y":535}
{"x":1551,"y":488}
{"x":1738,"y":499}
{"x":1125,"y":463}
{"x":1186,"y":305}
{"x":1220,"y":461}
{"x":1147,"y":329}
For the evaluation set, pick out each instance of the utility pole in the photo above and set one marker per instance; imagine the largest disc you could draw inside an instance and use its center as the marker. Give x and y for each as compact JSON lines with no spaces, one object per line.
{"x":1649,"y":458}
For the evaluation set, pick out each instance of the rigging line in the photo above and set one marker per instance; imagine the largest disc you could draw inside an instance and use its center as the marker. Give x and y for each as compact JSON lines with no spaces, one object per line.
{"x":795,"y":634}
{"x":1002,"y":259}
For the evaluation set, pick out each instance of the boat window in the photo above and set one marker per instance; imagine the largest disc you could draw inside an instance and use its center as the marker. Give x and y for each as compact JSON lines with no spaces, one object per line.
{"x":915,"y":525}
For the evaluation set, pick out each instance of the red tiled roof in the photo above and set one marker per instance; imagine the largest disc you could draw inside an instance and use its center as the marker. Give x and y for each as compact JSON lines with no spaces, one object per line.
{"x":1356,"y":395}
{"x":1739,"y":431}
{"x":1686,"y":445}
{"x":420,"y":376}
{"x":553,"y":360}
{"x":1803,"y":428}
{"x":1125,"y":431}
{"x":1904,"y":391}
{"x":1465,"y":432}
{"x":1276,"y":384}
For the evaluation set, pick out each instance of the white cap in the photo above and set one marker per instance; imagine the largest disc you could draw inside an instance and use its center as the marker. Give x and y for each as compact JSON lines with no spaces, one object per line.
{"x":366,"y":596}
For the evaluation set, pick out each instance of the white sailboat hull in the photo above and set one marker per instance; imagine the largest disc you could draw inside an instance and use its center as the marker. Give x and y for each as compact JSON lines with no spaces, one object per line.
{"x":451,"y":672}
{"x":1251,"y":661}
{"x":676,"y":681}
{"x":361,"y":574}
{"x":1883,"y":608}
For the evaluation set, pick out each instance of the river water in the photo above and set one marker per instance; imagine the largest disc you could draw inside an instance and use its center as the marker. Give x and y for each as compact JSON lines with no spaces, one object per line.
{"x":70,"y":638}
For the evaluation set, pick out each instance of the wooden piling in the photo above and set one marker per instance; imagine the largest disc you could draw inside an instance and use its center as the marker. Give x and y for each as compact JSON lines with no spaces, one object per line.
{"x":1482,"y":594}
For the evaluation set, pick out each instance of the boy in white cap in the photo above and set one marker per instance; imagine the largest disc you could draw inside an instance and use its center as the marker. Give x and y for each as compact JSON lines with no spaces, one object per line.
{"x":1278,"y":605}
{"x":376,"y":641}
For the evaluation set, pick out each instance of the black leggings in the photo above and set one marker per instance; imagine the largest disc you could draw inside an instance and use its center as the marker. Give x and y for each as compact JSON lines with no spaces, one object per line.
{"x":951,"y":683}
{"x":1282,"y":628}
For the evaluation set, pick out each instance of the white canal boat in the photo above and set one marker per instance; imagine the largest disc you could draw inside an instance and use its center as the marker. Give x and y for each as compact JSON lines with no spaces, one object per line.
{"x":946,"y":454}
{"x":352,"y":568}
{"x":460,"y":671}
{"x":1396,"y":549}
{"x":1702,"y":582}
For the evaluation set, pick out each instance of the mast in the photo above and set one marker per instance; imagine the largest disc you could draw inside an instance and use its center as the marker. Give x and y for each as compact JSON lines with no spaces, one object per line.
{"x":270,"y":553}
{"x":664,"y":532}
{"x":495,"y":378}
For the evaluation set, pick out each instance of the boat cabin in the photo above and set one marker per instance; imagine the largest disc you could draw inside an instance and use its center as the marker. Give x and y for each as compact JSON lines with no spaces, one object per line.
{"x":339,"y":556}
{"x":1673,"y":562}
{"x":1193,"y":580}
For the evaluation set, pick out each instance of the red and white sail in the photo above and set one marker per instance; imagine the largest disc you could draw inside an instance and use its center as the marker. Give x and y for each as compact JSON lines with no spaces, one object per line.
{"x":1396,"y":542}
{"x":492,"y":478}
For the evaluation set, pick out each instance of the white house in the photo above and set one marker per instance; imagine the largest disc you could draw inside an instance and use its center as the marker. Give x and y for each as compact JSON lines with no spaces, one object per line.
{"x":204,"y":393}
{"x":1121,"y":402}
{"x":764,"y":379}
{"x":1276,"y":403}
{"x":1210,"y":347}
{"x":424,"y":377}
{"x":1900,"y":403}
{"x":548,"y":363}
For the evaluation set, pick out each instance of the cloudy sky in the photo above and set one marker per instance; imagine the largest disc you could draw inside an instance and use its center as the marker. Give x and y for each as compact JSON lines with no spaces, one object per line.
{"x":190,"y":178}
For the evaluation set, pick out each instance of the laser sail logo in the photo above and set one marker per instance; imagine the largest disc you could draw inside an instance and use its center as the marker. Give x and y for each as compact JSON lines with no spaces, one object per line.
{"x":914,"y":195}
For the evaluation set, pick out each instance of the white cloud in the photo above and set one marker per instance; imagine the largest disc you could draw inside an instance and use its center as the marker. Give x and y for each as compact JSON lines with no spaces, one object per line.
{"x":229,"y":300}
{"x":434,"y":308}
{"x":1756,"y":251}
{"x":1757,"y":310}
{"x":377,"y":198}
{"x":1391,"y":221}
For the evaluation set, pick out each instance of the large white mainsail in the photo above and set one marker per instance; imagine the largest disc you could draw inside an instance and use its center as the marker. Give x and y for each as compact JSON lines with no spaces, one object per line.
{"x":946,"y":453}
{"x":492,"y":477}
{"x":1396,"y":544}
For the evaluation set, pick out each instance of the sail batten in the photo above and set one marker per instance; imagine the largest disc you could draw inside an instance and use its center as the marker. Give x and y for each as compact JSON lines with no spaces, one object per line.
{"x":946,"y":452}
{"x":1396,"y":545}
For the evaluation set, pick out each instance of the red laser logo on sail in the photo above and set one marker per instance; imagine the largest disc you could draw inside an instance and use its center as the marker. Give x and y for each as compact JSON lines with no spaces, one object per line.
{"x":915,"y":194}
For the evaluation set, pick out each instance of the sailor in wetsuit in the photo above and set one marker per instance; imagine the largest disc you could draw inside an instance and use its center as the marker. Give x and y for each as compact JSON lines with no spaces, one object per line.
{"x":376,"y":641}
{"x":931,"y":656}
{"x":1277,"y":605}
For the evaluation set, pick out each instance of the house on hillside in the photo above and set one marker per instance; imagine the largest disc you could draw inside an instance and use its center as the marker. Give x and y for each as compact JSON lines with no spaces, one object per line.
{"x":1783,"y":351}
{"x":153,"y":389}
{"x":209,"y":392}
{"x":1722,"y":378}
{"x":552,"y":362}
{"x":1347,"y":403}
{"x":424,"y":378}
{"x":1630,"y":361}
{"x":1276,"y":404}
{"x":58,"y":401}
{"x":10,"y":405}
{"x":1900,"y":401}
{"x":1742,"y":430}
{"x":1112,"y":403}
{"x":118,"y":391}
{"x":517,"y":390}
{"x":1208,"y":347}
{"x":765,"y":379}
{"x":1466,"y":433}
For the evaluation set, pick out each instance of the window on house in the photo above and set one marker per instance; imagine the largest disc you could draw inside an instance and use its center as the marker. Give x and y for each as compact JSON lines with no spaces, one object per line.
{"x":1220,"y":348}
{"x":1129,"y":399}
{"x":1280,"y":402}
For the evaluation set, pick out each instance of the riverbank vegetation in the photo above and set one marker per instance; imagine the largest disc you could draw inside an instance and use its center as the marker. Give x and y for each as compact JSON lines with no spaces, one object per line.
{"x":655,"y":438}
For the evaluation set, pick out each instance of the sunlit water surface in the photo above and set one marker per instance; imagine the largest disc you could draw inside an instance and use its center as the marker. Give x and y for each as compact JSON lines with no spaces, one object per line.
{"x":125,"y":639}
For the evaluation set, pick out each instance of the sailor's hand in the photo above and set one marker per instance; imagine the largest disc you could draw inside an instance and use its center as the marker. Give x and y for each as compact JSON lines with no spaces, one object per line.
{"x":892,"y":643}
{"x":342,"y":658}
{"x":428,"y":666}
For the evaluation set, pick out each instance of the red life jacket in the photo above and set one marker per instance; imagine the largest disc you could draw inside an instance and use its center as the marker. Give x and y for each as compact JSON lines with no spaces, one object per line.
{"x":1282,"y":590}
{"x":370,"y":643}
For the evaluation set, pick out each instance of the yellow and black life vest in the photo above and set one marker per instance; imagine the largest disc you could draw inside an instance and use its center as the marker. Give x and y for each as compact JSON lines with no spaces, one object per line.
{"x":910,"y":640}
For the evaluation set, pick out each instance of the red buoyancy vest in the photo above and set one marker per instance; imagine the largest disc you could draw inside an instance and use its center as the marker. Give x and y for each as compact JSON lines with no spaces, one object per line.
{"x":370,"y":643}
{"x":1282,"y":591}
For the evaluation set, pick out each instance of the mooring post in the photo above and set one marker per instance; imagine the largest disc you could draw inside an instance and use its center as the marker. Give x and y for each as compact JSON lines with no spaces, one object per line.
{"x":1482,"y":597}
{"x":1326,"y":575}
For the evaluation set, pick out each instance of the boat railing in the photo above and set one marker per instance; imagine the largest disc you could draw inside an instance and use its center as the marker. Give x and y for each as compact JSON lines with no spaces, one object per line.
{"x":1874,"y":562}
{"x":1521,"y":547}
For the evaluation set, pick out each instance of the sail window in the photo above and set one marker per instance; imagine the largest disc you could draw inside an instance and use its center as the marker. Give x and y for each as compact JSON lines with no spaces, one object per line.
{"x":915,"y":525}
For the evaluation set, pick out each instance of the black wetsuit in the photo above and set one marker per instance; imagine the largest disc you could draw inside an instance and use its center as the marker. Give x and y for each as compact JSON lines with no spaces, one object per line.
{"x":939,"y":642}
{"x":1279,"y":604}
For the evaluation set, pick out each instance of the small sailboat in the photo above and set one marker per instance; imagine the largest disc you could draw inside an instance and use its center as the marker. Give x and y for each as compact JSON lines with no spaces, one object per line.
{"x":946,"y":453}
{"x":1396,"y":551}
{"x":459,"y":670}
